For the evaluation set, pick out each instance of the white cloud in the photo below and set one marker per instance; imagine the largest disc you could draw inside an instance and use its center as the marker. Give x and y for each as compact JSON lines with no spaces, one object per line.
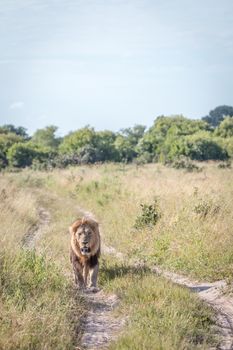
{"x":17,"y":105}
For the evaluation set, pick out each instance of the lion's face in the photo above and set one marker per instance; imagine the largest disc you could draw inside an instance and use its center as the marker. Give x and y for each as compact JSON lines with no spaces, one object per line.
{"x":85,"y":237}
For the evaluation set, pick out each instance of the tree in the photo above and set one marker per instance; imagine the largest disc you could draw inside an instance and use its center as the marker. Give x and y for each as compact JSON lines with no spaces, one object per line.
{"x":217,"y":115}
{"x":164,"y":139}
{"x":22,"y":154}
{"x":76,"y":140}
{"x":105,"y":146}
{"x":202,"y":147}
{"x":126,"y":150}
{"x":46,"y":137}
{"x":227,"y":144}
{"x":6,"y":141}
{"x":225,"y":129}
{"x":127,"y":141}
{"x":9,"y":128}
{"x":90,"y":146}
{"x":133,"y":134}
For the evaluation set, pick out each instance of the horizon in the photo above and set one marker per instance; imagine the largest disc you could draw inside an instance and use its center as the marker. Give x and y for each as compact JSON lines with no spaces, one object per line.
{"x":113,"y":65}
{"x":58,"y":134}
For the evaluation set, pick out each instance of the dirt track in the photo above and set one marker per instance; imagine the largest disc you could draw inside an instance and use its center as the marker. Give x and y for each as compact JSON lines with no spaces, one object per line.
{"x":100,"y":326}
{"x":212,"y":294}
{"x":30,"y":238}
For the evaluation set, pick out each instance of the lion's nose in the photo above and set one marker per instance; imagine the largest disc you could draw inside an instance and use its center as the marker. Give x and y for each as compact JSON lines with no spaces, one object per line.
{"x":84,"y":242}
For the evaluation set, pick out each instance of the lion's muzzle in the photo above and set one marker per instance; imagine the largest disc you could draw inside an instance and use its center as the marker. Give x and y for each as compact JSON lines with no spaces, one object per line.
{"x":85,"y":250}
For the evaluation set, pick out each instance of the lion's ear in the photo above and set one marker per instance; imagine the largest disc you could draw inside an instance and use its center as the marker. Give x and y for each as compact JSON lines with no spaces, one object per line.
{"x":94,"y":224}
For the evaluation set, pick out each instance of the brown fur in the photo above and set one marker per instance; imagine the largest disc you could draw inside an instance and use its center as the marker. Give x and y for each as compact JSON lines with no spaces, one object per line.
{"x":85,"y":266}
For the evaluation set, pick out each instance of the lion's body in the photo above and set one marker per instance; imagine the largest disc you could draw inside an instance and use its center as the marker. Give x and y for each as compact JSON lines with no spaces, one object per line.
{"x":85,"y":251}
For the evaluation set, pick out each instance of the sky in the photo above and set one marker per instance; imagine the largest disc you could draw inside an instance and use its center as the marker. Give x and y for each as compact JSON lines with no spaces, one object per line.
{"x":112,"y":64}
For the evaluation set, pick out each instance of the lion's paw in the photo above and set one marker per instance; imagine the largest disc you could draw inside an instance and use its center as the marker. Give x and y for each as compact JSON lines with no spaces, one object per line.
{"x":92,"y":290}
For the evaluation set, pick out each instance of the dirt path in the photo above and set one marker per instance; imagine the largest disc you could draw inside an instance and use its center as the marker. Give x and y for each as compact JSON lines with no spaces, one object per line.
{"x":212,"y":294}
{"x":100,"y":325}
{"x":33,"y":235}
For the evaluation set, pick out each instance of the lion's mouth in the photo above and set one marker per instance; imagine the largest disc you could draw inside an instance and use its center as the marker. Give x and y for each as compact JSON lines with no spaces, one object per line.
{"x":85,"y":250}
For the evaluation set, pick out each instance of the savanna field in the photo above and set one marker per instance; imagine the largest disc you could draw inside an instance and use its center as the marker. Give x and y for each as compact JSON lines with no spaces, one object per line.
{"x":116,"y":175}
{"x":155,"y":215}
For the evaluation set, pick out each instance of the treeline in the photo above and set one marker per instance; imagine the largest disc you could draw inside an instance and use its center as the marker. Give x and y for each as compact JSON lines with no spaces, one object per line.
{"x":168,"y":139}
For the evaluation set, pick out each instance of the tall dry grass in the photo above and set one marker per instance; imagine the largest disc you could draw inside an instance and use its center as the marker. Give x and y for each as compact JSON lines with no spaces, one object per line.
{"x":39,"y":308}
{"x":193,"y":235}
{"x":17,"y":213}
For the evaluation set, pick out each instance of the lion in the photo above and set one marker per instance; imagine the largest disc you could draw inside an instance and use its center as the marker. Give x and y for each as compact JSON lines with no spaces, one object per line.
{"x":85,"y":252}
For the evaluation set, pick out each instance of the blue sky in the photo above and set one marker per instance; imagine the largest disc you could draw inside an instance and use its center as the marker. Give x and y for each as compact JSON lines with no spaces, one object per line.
{"x":113,"y":63}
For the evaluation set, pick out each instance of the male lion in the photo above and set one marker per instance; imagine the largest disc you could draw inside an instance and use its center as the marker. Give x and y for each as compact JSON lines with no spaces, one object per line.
{"x":85,"y":251}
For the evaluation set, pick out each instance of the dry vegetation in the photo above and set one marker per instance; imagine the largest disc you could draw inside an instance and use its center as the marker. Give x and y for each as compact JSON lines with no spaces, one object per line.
{"x":38,"y":307}
{"x":192,"y":234}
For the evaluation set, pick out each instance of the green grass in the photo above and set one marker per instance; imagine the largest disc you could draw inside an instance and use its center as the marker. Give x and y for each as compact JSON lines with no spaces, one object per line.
{"x":192,"y":235}
{"x":160,"y":314}
{"x":40,"y":309}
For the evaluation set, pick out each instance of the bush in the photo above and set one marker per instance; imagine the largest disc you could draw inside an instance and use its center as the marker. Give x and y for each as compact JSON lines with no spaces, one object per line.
{"x":201,"y":147}
{"x":144,"y":158}
{"x":206,"y":207}
{"x":6,"y":141}
{"x":184,"y":163}
{"x":150,"y":214}
{"x":225,"y":165}
{"x":21,"y":155}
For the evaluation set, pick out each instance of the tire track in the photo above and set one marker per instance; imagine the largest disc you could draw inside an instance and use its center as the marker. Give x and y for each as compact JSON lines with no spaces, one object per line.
{"x":210,"y":293}
{"x":100,"y":325}
{"x":35,"y":232}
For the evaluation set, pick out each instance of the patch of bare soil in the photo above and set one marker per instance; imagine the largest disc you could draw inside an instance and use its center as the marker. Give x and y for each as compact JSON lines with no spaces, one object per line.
{"x":31,"y":237}
{"x":100,"y":325}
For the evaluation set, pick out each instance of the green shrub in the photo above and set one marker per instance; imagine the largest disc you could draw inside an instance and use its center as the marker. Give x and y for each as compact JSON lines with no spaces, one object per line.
{"x":225,"y":165}
{"x":150,"y":214}
{"x":203,"y":147}
{"x":185,"y":163}
{"x":144,"y":158}
{"x":6,"y":141}
{"x":206,"y":207}
{"x":21,"y":155}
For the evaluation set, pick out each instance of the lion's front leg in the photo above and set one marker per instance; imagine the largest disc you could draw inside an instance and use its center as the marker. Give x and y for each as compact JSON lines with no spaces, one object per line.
{"x":78,"y":273}
{"x":85,"y":273}
{"x":78,"y":277}
{"x":94,"y":275}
